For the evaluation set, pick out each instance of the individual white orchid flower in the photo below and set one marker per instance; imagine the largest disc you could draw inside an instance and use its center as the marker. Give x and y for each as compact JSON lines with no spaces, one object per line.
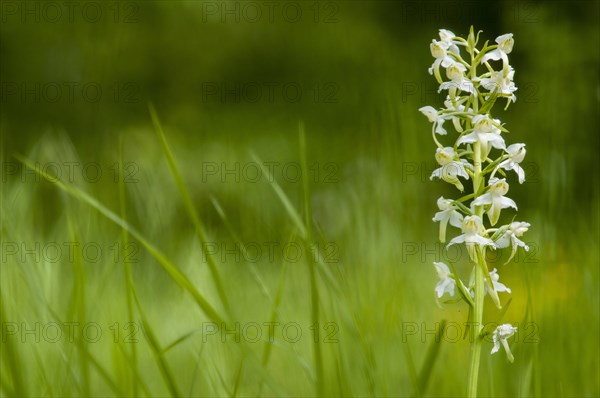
{"x":498,"y":287}
{"x":438,"y":51}
{"x":448,"y":37}
{"x":458,"y":81}
{"x":502,"y":83}
{"x":516,"y":153}
{"x":472,"y":229}
{"x":455,"y":108}
{"x":447,"y":214}
{"x":505,"y":46}
{"x":451,"y":169}
{"x":500,"y":335}
{"x":434,"y":117}
{"x":447,"y":282}
{"x":496,"y":199}
{"x":485,"y":132}
{"x":511,"y":238}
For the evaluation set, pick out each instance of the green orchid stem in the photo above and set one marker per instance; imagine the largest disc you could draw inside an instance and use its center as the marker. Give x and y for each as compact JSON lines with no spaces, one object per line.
{"x":476,"y":341}
{"x":479,"y":275}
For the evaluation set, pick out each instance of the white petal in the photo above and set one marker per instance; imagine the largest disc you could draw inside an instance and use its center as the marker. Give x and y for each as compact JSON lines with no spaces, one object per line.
{"x":467,"y":139}
{"x":484,"y":199}
{"x":456,"y":219}
{"x":520,"y":173}
{"x":443,"y":225}
{"x":518,"y":242}
{"x":495,"y":55}
{"x":429,"y":112}
{"x":442,"y":270}
{"x":439,"y":129}
{"x":509,"y":354}
{"x":459,"y":239}
{"x":504,"y":240}
{"x":496,"y":347}
{"x":441,"y":215}
{"x":507,"y":202}
{"x":436,"y":173}
{"x":481,"y":241}
{"x":500,"y":287}
{"x":458,"y":169}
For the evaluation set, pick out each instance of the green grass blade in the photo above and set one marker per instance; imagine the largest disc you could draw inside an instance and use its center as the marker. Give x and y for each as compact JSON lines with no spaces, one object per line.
{"x":196,"y":368}
{"x":238,"y":380}
{"x":189,"y":207}
{"x":127,"y":269}
{"x":289,"y":207}
{"x":78,"y":302}
{"x":251,"y":265}
{"x":412,"y":371}
{"x":135,"y":369}
{"x":11,"y":358}
{"x":430,"y":358}
{"x":274,"y":312}
{"x":162,"y":364}
{"x":314,"y":288}
{"x":266,"y":356}
{"x":4,"y":389}
{"x":103,"y":373}
{"x":180,"y":340}
{"x":224,"y":384}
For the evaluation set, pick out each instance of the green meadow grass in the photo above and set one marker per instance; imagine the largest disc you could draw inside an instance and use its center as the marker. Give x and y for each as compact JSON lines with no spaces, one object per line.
{"x":341,"y":259}
{"x":372,"y":297}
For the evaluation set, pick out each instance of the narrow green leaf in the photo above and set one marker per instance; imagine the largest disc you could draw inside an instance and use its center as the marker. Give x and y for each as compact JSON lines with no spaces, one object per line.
{"x":430,"y":359}
{"x":412,"y":371}
{"x":162,"y":364}
{"x":129,"y":287}
{"x":189,"y":206}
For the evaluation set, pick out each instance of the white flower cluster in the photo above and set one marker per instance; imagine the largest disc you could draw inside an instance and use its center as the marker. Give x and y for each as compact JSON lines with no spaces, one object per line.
{"x":478,"y":153}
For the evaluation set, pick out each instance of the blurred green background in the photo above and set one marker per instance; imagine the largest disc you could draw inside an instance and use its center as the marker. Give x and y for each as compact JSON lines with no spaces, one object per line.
{"x":232,"y":83}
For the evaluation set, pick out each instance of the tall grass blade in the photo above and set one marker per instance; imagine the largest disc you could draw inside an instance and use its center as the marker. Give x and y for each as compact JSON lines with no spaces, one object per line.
{"x":135,"y":369}
{"x":430,"y":358}
{"x":78,"y":302}
{"x":127,"y":269}
{"x":314,"y":288}
{"x":189,"y":206}
{"x":412,"y":371}
{"x":11,"y":359}
{"x":251,"y":265}
{"x":162,"y":364}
